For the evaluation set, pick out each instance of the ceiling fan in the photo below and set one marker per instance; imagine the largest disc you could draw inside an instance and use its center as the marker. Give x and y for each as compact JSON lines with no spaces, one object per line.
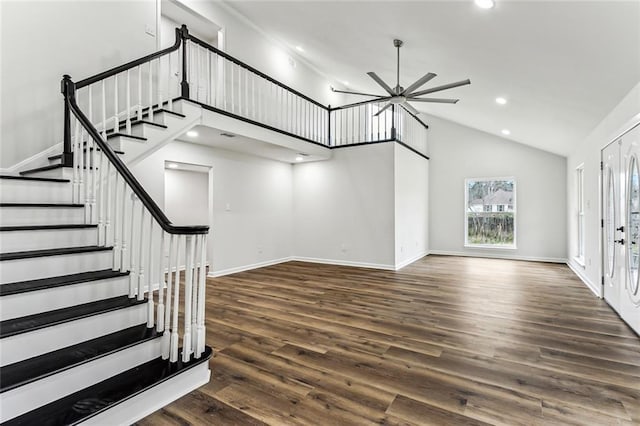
{"x":401,"y":96}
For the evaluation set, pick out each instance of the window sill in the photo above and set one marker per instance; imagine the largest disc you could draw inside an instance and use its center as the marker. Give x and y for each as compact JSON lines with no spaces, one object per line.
{"x":491,"y":246}
{"x":579,"y":261}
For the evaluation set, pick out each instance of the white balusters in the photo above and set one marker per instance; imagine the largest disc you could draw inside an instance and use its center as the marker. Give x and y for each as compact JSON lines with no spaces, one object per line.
{"x":173,"y":356}
{"x":104,"y":109}
{"x":124,"y":230}
{"x":108,"y":234}
{"x":116,"y":119}
{"x":139,"y":92}
{"x":133,"y":270}
{"x":77,"y":156}
{"x":141,"y":253}
{"x":188,"y":294}
{"x":98,"y":168}
{"x":128,"y":96}
{"x":161,"y":284}
{"x":116,"y":224}
{"x":166,"y":337}
{"x":150,"y":303}
{"x":201,"y":296}
{"x":151,"y":90}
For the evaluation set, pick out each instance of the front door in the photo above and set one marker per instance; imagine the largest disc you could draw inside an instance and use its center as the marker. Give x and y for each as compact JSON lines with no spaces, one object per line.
{"x":612,"y":192}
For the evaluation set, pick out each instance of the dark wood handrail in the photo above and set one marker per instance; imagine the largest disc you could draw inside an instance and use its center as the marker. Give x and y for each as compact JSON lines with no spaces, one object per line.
{"x":253,"y":70}
{"x":136,"y":187}
{"x":117,"y":70}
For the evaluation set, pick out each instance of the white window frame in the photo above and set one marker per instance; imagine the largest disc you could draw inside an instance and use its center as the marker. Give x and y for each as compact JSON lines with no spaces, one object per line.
{"x":513,"y":246}
{"x":580,"y":214}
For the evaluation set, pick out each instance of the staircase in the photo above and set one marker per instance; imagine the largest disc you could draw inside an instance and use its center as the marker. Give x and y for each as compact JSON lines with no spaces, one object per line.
{"x":102,"y":299}
{"x":76,"y":341}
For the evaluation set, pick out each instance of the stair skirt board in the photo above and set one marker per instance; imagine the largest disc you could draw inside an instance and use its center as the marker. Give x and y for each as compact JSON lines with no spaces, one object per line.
{"x":35,"y":394}
{"x":49,"y":299}
{"x":161,"y":395}
{"x":40,"y":239}
{"x":24,"y":215}
{"x":37,"y":342}
{"x":48,"y":266}
{"x":24,"y":191}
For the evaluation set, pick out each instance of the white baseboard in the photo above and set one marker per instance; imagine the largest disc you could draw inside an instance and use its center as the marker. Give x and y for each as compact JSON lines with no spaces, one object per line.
{"x":237,"y":269}
{"x":499,"y":256}
{"x":580,"y":273}
{"x":345,"y":263}
{"x":411,"y":260}
{"x":36,"y":160}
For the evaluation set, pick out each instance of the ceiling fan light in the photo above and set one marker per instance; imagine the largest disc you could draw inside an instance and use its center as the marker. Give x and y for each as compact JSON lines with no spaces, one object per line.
{"x":485,"y":4}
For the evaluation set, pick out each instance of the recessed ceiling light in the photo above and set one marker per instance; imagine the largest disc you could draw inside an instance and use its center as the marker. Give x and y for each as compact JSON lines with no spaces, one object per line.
{"x":485,"y":4}
{"x":506,"y":132}
{"x":346,"y":83}
{"x":299,"y":158}
{"x":192,"y":133}
{"x":501,"y":101}
{"x":172,"y":165}
{"x":299,"y":48}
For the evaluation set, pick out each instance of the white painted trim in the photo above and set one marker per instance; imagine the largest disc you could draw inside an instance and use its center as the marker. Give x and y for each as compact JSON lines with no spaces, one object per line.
{"x":411,"y":260}
{"x":499,"y":256}
{"x":580,"y":274}
{"x":345,"y":263}
{"x":34,"y":159}
{"x":145,"y":403}
{"x":228,"y":271}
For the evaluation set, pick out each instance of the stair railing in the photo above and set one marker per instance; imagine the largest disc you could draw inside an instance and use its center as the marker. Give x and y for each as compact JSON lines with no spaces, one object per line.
{"x":145,"y":243}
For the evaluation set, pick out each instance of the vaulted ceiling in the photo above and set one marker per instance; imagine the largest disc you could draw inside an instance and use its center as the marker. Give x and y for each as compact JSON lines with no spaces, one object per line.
{"x":561,"y":65}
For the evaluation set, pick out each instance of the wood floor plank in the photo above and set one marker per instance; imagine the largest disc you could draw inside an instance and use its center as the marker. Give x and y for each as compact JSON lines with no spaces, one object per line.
{"x":445,"y":340}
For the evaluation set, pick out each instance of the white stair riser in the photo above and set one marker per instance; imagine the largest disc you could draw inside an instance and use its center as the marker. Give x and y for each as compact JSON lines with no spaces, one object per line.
{"x":26,"y":398}
{"x":40,"y":215}
{"x":135,"y":408}
{"x":48,"y":239}
{"x":27,"y":345}
{"x":33,"y":302}
{"x":33,"y":191}
{"x":51,"y":266}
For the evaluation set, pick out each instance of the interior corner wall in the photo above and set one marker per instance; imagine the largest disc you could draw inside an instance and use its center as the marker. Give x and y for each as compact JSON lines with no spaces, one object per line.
{"x":587,"y":153}
{"x":343,"y":208}
{"x":411,"y":206}
{"x":458,"y":152}
{"x":252,"y":205}
{"x":42,"y":40}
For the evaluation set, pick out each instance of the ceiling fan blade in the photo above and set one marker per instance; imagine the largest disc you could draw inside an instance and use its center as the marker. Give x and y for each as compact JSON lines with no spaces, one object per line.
{"x":443,"y":87}
{"x":425,"y":78}
{"x":378,"y":80}
{"x":368,"y":101}
{"x":435,"y":100}
{"x":349,"y":92}
{"x":410,"y":108}
{"x":382,"y":109}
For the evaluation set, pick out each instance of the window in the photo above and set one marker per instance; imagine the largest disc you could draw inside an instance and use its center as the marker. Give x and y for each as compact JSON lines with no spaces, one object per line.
{"x":490,"y":219}
{"x":580,"y":191}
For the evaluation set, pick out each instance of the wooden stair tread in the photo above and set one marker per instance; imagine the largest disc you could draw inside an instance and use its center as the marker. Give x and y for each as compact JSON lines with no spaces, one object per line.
{"x":39,"y":367}
{"x":28,"y":254}
{"x":88,"y":402}
{"x":58,"y":281}
{"x":41,"y":320}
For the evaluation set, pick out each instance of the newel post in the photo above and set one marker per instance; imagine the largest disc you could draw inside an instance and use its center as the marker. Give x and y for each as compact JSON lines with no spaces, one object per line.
{"x":329,"y":126}
{"x":184,"y":84}
{"x":68,"y":88}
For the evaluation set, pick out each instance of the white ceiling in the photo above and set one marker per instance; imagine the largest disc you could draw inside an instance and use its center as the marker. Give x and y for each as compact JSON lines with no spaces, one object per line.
{"x":562,"y":65}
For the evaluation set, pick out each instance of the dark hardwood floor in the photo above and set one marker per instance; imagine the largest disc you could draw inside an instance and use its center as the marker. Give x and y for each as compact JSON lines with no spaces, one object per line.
{"x":446,"y":340}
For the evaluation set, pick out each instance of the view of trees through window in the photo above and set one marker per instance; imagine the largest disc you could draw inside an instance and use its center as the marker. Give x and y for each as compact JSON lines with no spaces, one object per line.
{"x":490,"y":212}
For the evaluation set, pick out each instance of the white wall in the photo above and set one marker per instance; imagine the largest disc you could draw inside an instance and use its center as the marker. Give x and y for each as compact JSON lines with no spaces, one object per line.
{"x":186,"y":195}
{"x":458,"y":152}
{"x":623,"y":116}
{"x":411,"y":206}
{"x":41,"y":41}
{"x":344,"y":207}
{"x":252,"y":205}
